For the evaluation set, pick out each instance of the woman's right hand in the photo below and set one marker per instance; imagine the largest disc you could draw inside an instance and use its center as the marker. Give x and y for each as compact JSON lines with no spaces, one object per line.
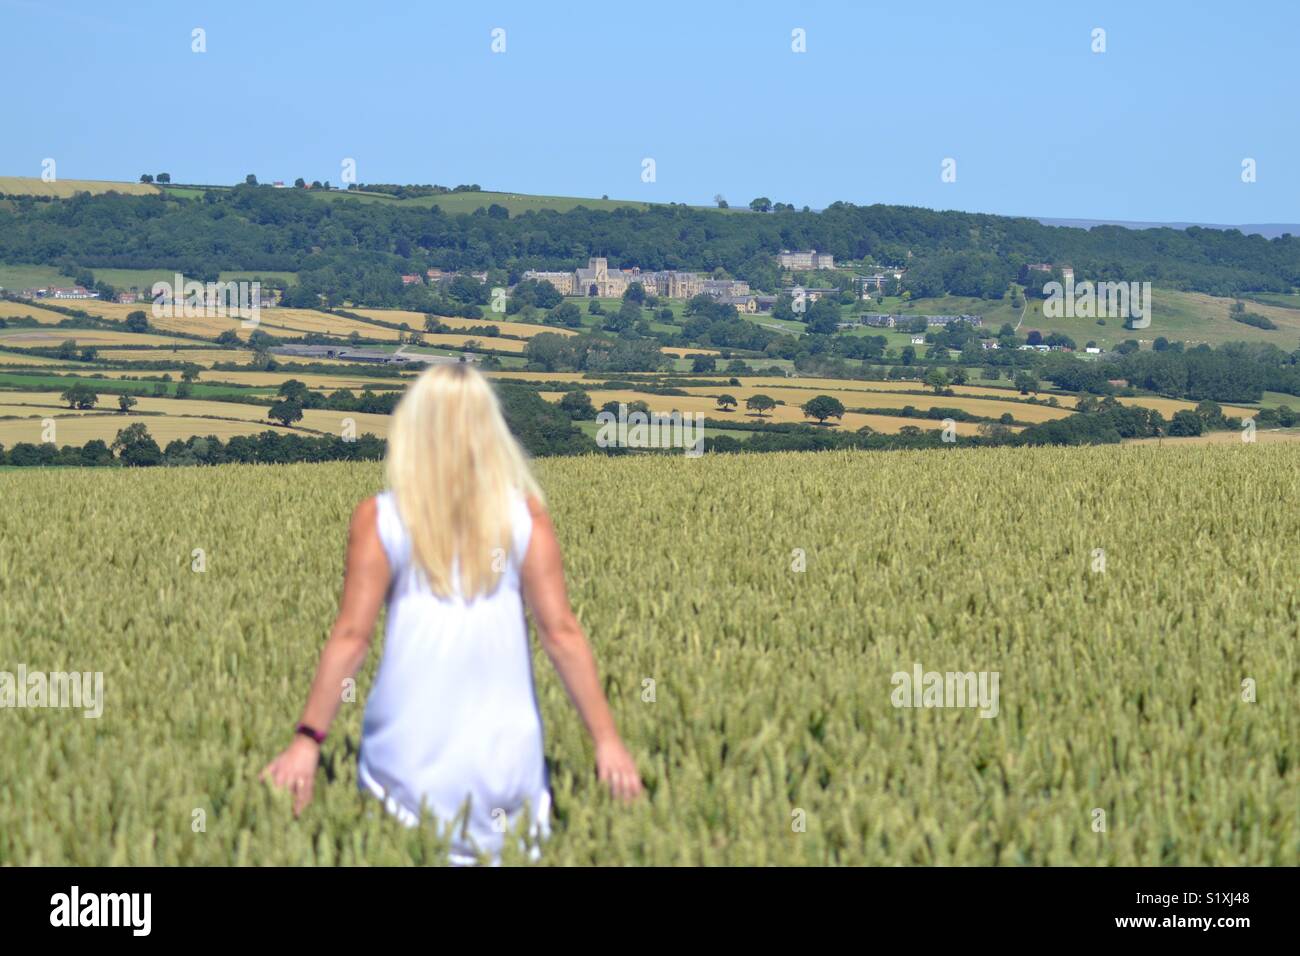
{"x":295,"y":770}
{"x":615,"y":767}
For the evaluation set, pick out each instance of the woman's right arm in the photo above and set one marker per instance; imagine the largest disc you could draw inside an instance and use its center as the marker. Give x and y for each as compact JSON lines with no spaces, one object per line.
{"x":565,"y":644}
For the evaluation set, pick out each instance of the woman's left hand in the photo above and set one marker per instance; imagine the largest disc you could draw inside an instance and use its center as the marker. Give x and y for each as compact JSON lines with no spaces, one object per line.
{"x":295,"y":769}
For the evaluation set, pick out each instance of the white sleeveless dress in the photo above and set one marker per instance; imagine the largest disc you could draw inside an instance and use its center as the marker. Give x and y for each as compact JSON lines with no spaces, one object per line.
{"x":453,"y":715}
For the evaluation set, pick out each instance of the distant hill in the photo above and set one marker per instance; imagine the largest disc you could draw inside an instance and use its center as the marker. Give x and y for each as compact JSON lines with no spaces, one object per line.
{"x":1269,"y":230}
{"x":65,"y":188}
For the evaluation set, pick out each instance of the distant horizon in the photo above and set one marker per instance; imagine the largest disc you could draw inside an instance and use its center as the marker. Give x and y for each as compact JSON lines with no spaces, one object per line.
{"x":1268,"y":230}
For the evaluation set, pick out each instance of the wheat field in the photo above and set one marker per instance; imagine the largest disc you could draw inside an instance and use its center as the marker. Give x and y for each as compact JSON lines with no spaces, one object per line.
{"x":757,"y":698}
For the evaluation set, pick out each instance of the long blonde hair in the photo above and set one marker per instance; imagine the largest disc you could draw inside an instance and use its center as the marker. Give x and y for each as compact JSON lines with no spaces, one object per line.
{"x":454,"y":468}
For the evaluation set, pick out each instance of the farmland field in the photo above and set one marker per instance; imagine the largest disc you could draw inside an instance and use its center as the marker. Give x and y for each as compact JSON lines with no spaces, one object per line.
{"x":772,"y":688}
{"x":64,"y":188}
{"x":168,"y":418}
{"x":51,"y":338}
{"x":415,"y":320}
{"x":790,"y":413}
{"x":19,"y":310}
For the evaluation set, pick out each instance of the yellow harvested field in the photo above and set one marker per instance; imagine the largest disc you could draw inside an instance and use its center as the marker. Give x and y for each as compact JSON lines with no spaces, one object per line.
{"x":310,"y":379}
{"x":15,"y":358}
{"x":301,"y":321}
{"x":539,"y":376}
{"x":849,"y":384}
{"x":449,"y":340}
{"x":524,"y":330}
{"x":985,"y":407}
{"x":682,"y":352}
{"x":267,"y":379}
{"x":50,"y":338}
{"x":65,"y":188}
{"x":210,"y":326}
{"x":209,"y":357}
{"x":169,"y":419}
{"x":19,"y":310}
{"x":288,"y":323}
{"x":79,"y":429}
{"x":782,"y":413}
{"x":316,"y":419}
{"x":1264,"y":436}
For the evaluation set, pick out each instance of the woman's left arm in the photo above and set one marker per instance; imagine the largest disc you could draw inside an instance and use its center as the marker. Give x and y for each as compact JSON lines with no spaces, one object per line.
{"x":365,"y":585}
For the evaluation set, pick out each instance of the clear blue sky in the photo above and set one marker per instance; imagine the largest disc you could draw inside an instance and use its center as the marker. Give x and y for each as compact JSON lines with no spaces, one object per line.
{"x":1155,"y":128}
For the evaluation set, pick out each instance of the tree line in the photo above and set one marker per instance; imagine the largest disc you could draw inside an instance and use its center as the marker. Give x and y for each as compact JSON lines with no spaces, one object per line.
{"x":356,"y":250}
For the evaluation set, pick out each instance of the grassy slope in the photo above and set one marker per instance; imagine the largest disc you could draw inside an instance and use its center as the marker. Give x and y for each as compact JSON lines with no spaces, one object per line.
{"x":1191,"y":317}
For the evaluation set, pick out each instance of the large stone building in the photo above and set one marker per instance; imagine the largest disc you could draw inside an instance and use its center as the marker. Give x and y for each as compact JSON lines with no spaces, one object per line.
{"x":563,"y":281}
{"x":596,"y":279}
{"x":805,"y":261}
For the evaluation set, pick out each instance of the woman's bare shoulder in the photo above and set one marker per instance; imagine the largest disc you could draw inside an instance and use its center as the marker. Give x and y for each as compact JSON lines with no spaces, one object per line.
{"x":365,"y":516}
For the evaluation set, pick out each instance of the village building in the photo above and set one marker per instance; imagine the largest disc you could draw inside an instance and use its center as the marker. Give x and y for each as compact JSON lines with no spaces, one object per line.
{"x":805,"y":261}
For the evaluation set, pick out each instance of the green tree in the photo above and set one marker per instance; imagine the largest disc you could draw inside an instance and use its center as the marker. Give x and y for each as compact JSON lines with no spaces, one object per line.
{"x":1185,"y":423}
{"x":936,"y":379}
{"x":761,"y":204}
{"x":293,"y":391}
{"x":126,"y":402}
{"x":727,"y":402}
{"x":286,"y":412}
{"x":823,"y":407}
{"x":578,"y":405}
{"x":760,"y":404}
{"x":1027,"y":382}
{"x":137,"y":321}
{"x":80,"y":396}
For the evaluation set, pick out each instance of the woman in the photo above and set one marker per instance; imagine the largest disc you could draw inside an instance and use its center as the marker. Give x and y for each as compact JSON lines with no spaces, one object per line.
{"x":457,"y":546}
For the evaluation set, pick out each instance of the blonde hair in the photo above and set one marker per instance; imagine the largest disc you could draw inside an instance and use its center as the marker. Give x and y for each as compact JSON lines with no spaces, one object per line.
{"x":454,"y":469}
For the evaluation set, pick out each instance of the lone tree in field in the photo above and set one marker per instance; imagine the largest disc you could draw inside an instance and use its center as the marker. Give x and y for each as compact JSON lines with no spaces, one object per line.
{"x":727,"y":402}
{"x":823,"y":407}
{"x":80,"y":396}
{"x":125,"y":403}
{"x":286,"y":412}
{"x":758,"y":404}
{"x":936,"y":380}
{"x":137,"y":321}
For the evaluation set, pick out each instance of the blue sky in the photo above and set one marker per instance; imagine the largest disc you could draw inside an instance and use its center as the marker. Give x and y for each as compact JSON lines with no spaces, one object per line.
{"x":1155,"y":128}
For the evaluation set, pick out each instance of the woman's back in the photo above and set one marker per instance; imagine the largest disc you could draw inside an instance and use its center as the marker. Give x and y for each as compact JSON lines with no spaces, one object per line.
{"x":452,"y":719}
{"x":453,"y":713}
